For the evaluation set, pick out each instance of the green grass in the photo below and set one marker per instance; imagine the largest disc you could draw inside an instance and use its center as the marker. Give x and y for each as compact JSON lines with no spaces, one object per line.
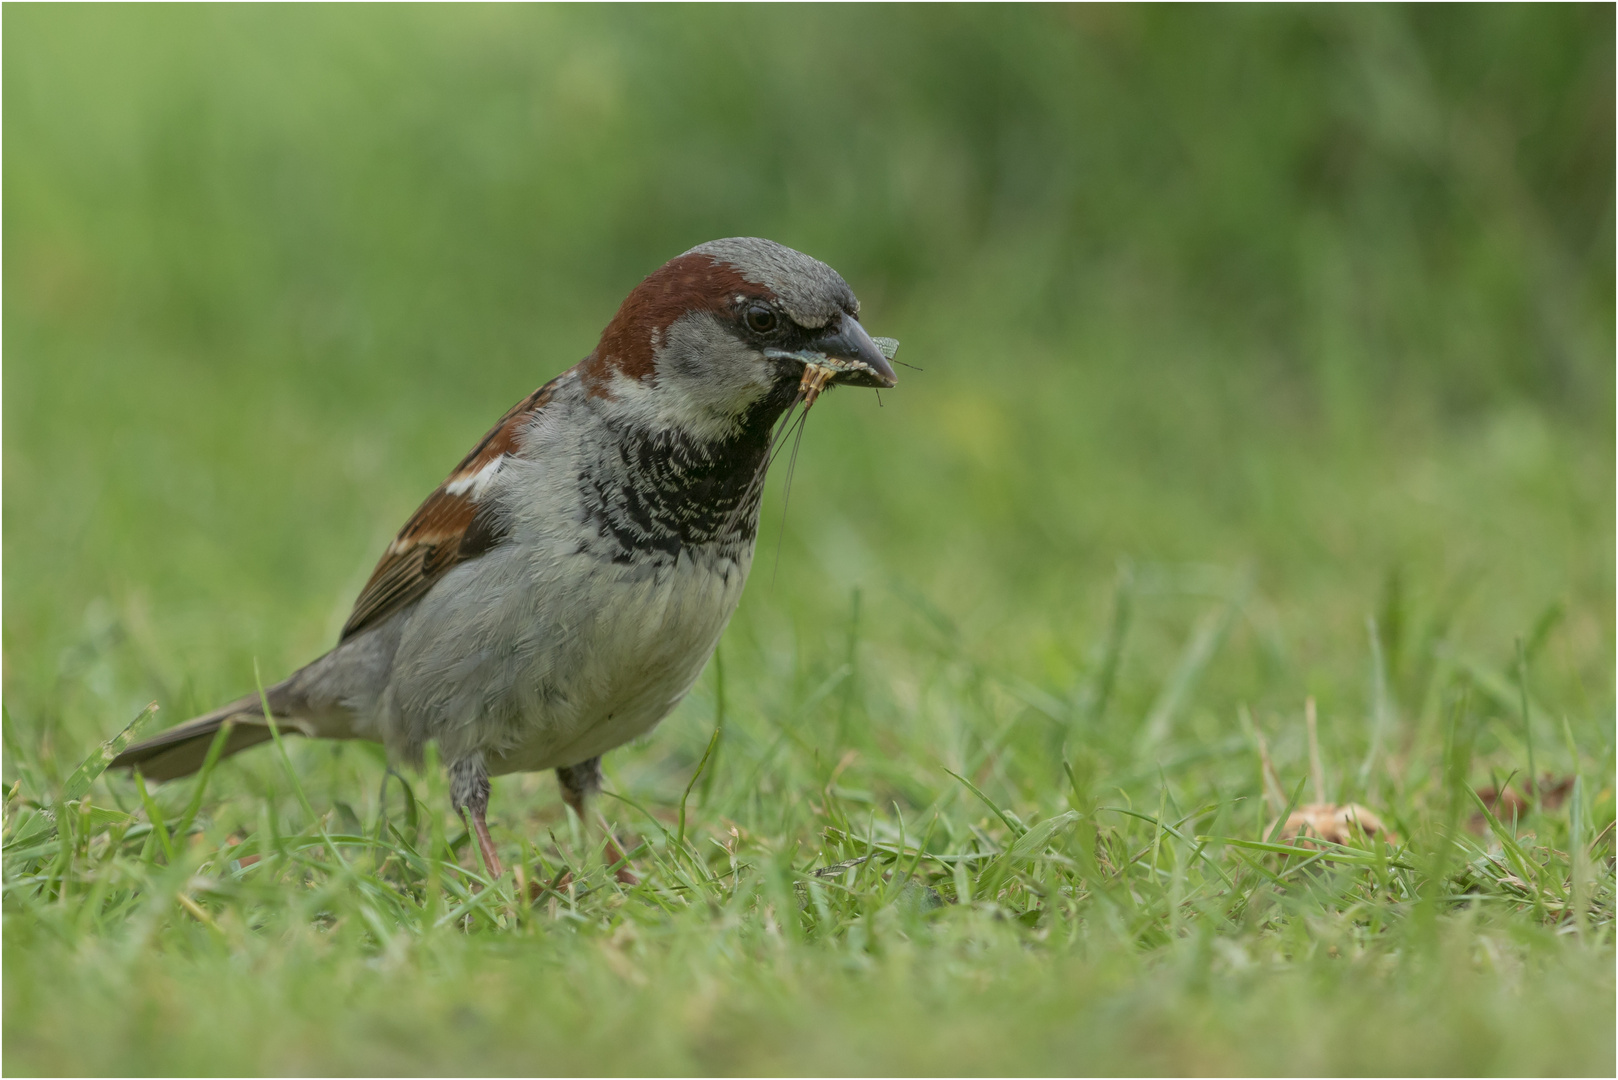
{"x":1267,"y":355}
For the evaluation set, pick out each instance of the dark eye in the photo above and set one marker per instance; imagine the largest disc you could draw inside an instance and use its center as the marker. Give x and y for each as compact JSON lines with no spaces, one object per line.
{"x":760,"y":319}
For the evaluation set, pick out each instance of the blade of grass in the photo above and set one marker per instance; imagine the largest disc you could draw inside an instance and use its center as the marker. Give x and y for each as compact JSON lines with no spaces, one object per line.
{"x":719,"y":719}
{"x":280,"y":746}
{"x":1292,"y":804}
{"x":315,"y":820}
{"x":1196,"y":845}
{"x":1016,"y":829}
{"x":1199,"y":650}
{"x":1106,"y":674}
{"x":1532,"y":788}
{"x":1381,"y":709}
{"x":1269,"y":783}
{"x":1030,"y":845}
{"x":1317,"y":772}
{"x":1319,"y":848}
{"x":713,"y":741}
{"x":155,"y":816}
{"x":1522,"y":863}
{"x":215,"y":748}
{"x":93,"y":766}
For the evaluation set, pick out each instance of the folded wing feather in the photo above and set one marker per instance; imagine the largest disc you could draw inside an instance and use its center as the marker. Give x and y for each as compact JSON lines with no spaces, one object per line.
{"x":453,"y":524}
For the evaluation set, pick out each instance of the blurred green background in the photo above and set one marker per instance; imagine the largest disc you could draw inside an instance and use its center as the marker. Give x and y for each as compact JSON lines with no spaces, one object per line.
{"x":1324,"y":296}
{"x":1286,"y":332}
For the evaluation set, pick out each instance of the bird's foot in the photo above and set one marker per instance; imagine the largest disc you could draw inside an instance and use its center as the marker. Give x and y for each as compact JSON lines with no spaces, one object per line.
{"x":538,"y":888}
{"x":469,"y":791}
{"x":616,"y":858}
{"x":491,"y":861}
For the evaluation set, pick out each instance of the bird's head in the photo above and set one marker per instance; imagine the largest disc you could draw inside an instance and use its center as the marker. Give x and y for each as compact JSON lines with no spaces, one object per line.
{"x":720,"y":337}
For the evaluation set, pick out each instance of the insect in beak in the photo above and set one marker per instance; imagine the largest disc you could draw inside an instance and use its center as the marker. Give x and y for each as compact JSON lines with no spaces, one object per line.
{"x":815,"y":378}
{"x":868,"y":366}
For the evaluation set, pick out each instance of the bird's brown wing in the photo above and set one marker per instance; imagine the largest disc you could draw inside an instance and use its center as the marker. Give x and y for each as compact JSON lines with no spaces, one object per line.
{"x":456,"y":523}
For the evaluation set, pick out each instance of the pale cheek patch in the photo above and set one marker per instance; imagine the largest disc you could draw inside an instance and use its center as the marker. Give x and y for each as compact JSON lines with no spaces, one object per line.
{"x":476,"y":484}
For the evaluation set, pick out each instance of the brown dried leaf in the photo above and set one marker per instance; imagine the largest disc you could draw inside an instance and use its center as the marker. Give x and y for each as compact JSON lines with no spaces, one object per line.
{"x":1338,"y":824}
{"x":1508,"y":804}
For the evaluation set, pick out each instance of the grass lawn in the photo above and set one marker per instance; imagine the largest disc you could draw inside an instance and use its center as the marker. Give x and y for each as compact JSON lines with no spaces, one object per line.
{"x":1266,"y":358}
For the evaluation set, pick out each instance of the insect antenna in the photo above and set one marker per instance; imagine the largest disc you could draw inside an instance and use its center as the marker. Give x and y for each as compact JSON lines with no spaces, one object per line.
{"x":786,"y":498}
{"x":755,"y":483}
{"x":797,"y":422}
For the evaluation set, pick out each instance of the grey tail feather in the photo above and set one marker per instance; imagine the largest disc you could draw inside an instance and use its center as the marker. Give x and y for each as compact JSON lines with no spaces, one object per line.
{"x":180,"y":750}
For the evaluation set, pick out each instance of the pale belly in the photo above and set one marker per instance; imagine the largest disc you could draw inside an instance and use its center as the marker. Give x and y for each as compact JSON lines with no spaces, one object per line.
{"x":647,"y":639}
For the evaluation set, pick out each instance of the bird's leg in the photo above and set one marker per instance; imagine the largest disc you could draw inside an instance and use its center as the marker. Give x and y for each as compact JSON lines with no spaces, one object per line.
{"x":469,"y":790}
{"x":578,"y":783}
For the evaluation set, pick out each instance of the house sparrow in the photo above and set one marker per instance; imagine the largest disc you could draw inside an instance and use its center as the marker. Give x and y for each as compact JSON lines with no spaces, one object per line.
{"x":562,"y":589}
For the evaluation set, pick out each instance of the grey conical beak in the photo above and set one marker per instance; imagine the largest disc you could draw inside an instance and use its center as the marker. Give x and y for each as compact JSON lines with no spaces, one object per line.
{"x":863,"y":362}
